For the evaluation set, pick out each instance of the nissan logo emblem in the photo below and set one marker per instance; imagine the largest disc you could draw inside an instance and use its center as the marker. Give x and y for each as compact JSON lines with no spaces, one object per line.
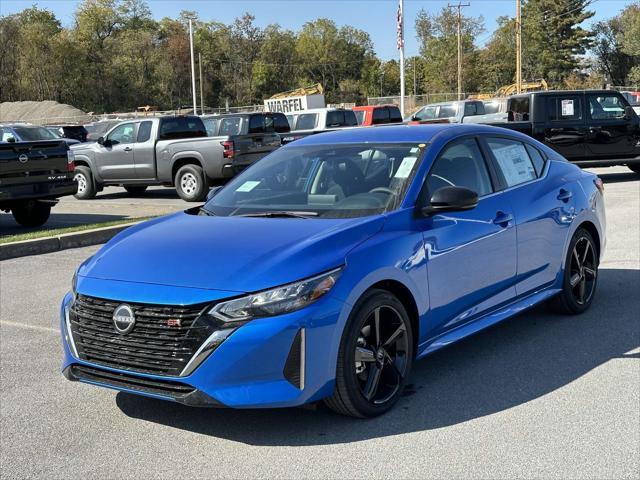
{"x":123,"y":319}
{"x":23,"y":158}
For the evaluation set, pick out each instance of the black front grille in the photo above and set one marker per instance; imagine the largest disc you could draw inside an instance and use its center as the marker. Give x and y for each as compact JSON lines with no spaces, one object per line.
{"x":155,"y":345}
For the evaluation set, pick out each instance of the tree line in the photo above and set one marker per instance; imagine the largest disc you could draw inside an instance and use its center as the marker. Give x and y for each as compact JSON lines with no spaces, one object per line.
{"x":116,"y":57}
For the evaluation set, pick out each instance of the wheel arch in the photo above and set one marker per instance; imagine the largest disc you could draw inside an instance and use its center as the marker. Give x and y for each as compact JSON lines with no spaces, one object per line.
{"x":180,"y":162}
{"x":593,"y":231}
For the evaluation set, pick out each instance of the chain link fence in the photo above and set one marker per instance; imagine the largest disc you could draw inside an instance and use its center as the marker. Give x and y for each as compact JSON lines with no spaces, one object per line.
{"x":413,"y":102}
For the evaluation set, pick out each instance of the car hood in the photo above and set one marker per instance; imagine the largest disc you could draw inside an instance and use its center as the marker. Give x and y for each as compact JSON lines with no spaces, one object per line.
{"x":235,"y":254}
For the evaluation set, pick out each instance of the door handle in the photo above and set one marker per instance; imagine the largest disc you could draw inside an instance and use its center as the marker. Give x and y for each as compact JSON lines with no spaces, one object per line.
{"x":565,"y":195}
{"x":503,"y":219}
{"x":127,"y":149}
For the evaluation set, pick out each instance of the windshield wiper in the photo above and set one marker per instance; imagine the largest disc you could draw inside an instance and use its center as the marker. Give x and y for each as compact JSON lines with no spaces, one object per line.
{"x":281,"y":213}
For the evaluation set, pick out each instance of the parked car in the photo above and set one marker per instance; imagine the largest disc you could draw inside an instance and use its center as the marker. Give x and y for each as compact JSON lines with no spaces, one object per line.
{"x":33,"y":175}
{"x":172,"y":151}
{"x":75,"y":132}
{"x":24,"y":132}
{"x":317,"y":120}
{"x":368,"y":115}
{"x":592,"y":128}
{"x":326,"y":269}
{"x":463,"y":111}
{"x":98,"y":129}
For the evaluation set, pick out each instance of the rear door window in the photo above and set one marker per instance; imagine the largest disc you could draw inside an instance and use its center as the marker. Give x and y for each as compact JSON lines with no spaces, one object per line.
{"x":564,"y":108}
{"x":230,"y":126}
{"x":380,"y":115}
{"x":257,"y":124}
{"x":181,"y":127}
{"x":307,"y":121}
{"x":341,"y":118}
{"x":277,"y":122}
{"x":606,"y":107}
{"x":394,"y":114}
{"x":513,"y":160}
{"x":144,"y":132}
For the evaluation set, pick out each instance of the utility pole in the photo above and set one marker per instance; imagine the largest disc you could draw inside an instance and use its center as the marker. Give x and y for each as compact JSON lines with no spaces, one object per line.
{"x":459,"y":6}
{"x":201,"y":85}
{"x":518,"y":48}
{"x":415,"y":85}
{"x":400,"y":45}
{"x":193,"y":69}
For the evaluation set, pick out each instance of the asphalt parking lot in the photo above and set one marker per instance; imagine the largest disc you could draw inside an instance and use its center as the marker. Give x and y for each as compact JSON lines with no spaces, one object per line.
{"x":538,"y":396}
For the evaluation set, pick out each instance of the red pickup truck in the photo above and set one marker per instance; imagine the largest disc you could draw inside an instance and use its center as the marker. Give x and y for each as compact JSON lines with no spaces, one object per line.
{"x":368,"y":115}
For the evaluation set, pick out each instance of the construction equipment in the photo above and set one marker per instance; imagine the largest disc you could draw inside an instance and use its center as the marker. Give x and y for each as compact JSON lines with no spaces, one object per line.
{"x":505,"y":91}
{"x":300,"y":92}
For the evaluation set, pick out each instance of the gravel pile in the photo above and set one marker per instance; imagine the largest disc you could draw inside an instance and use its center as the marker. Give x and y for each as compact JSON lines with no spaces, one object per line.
{"x":47,"y":112}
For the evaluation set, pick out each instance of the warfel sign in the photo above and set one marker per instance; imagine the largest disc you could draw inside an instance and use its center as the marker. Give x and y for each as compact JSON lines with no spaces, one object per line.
{"x":294,"y":104}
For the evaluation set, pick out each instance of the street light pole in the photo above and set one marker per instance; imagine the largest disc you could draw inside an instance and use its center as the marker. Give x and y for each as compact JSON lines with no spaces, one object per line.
{"x":518,"y":48}
{"x":459,"y":7}
{"x":400,"y":28}
{"x":201,"y":85}
{"x":193,"y":69}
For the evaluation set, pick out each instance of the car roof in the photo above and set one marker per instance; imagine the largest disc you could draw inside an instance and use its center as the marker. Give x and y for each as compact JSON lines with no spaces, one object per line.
{"x":401,"y":133}
{"x":372,"y":107}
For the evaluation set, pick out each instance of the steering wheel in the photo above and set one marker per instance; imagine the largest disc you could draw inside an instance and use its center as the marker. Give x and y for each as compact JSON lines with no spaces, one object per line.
{"x":383,"y":190}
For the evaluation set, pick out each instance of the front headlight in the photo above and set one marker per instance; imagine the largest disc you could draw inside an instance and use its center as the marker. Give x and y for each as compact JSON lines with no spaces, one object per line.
{"x":276,"y":301}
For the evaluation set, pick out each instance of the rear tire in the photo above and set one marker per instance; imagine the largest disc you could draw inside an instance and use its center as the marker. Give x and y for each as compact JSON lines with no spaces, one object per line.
{"x":190,"y":184}
{"x":373,"y":363}
{"x":580,"y":275}
{"x":86,"y":187}
{"x":135,"y":189}
{"x":31,"y":213}
{"x":635,"y":168}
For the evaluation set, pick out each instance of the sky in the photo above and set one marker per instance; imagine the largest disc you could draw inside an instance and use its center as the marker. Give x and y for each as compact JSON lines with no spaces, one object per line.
{"x":377,"y":17}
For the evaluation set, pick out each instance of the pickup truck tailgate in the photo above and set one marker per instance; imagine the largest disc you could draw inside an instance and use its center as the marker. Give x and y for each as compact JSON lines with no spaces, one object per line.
{"x":31,"y":162}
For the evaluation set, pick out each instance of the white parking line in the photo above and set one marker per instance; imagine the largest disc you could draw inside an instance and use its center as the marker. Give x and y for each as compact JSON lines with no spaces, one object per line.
{"x":29,"y":327}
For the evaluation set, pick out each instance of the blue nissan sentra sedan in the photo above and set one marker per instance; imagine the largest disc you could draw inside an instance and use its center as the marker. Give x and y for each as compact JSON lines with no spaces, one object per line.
{"x":323,"y":271}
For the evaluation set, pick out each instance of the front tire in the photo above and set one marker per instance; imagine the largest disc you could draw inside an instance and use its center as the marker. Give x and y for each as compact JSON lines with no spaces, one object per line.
{"x":580,"y":275}
{"x":31,"y":213}
{"x":86,"y":187}
{"x":190,"y":184}
{"x":375,"y":356}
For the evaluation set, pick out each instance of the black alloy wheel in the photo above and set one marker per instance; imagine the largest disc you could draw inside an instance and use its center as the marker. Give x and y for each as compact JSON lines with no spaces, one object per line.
{"x":580,"y":275}
{"x":375,"y":357}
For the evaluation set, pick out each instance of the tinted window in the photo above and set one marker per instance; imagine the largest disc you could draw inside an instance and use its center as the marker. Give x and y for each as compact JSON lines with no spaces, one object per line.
{"x":563,"y":108}
{"x":257,"y":124}
{"x":513,"y":159}
{"x":359,"y":116}
{"x":123,"y":133}
{"x":473,"y":108}
{"x":447,"y":111}
{"x":144,"y":131}
{"x":603,"y":107}
{"x":519,"y":108}
{"x":394,"y":114}
{"x":462,"y":165}
{"x":536,"y":158}
{"x":279,"y":121}
{"x":230,"y":126}
{"x":380,"y":115}
{"x":31,"y":134}
{"x":307,"y":121}
{"x":181,"y":127}
{"x":341,"y":118}
{"x":491,"y":107}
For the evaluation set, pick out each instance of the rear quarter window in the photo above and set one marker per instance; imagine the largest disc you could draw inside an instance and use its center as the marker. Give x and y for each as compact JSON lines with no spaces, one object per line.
{"x":181,"y":127}
{"x":513,"y":159}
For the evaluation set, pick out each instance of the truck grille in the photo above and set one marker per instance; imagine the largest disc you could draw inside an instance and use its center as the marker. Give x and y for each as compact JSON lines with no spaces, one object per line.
{"x":161,"y":342}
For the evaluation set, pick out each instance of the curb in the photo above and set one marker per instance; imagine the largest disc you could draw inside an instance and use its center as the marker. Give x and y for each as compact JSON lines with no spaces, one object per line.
{"x":60,"y":242}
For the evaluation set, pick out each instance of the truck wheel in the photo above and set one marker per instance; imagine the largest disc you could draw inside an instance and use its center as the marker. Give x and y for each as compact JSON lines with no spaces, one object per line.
{"x":86,"y":188}
{"x":135,"y":189}
{"x":190,"y":184}
{"x":635,"y":168}
{"x":31,"y":213}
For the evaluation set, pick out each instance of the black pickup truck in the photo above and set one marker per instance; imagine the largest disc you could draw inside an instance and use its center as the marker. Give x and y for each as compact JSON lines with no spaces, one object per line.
{"x":592,"y":128}
{"x":33,"y":175}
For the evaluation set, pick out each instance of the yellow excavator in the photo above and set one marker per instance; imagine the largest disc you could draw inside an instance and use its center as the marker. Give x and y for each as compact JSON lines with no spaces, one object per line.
{"x":533,"y":86}
{"x":300,"y":92}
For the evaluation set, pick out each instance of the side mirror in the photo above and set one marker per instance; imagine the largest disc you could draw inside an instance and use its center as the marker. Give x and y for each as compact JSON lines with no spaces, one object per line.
{"x":212,"y":192}
{"x":11,"y":139}
{"x":100,"y":140}
{"x":628,"y":112}
{"x":451,"y":199}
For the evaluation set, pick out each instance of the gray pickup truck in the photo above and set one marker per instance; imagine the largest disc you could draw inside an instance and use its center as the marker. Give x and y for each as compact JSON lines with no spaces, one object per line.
{"x":172,"y":151}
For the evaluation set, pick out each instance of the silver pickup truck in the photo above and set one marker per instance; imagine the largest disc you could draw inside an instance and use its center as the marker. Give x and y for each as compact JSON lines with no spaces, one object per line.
{"x":171,"y":151}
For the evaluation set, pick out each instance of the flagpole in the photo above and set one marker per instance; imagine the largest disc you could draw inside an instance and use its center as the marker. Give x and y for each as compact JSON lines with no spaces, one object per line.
{"x":401,"y":47}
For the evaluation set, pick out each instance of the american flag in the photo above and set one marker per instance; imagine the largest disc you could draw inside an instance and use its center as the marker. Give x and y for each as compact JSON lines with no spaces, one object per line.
{"x":399,"y":19}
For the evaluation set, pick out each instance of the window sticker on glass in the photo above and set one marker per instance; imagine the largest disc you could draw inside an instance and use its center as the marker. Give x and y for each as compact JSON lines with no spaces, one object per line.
{"x":405,"y":167}
{"x":247,"y":186}
{"x":567,"y":108}
{"x":515,"y":164}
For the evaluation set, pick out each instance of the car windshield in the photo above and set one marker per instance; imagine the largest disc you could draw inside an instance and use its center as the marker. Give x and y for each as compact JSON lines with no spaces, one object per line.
{"x":328,"y":181}
{"x":32,"y":134}
{"x":426,"y":113}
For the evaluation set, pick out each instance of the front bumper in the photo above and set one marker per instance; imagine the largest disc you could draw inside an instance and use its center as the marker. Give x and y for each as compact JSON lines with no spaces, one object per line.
{"x":248,"y":370}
